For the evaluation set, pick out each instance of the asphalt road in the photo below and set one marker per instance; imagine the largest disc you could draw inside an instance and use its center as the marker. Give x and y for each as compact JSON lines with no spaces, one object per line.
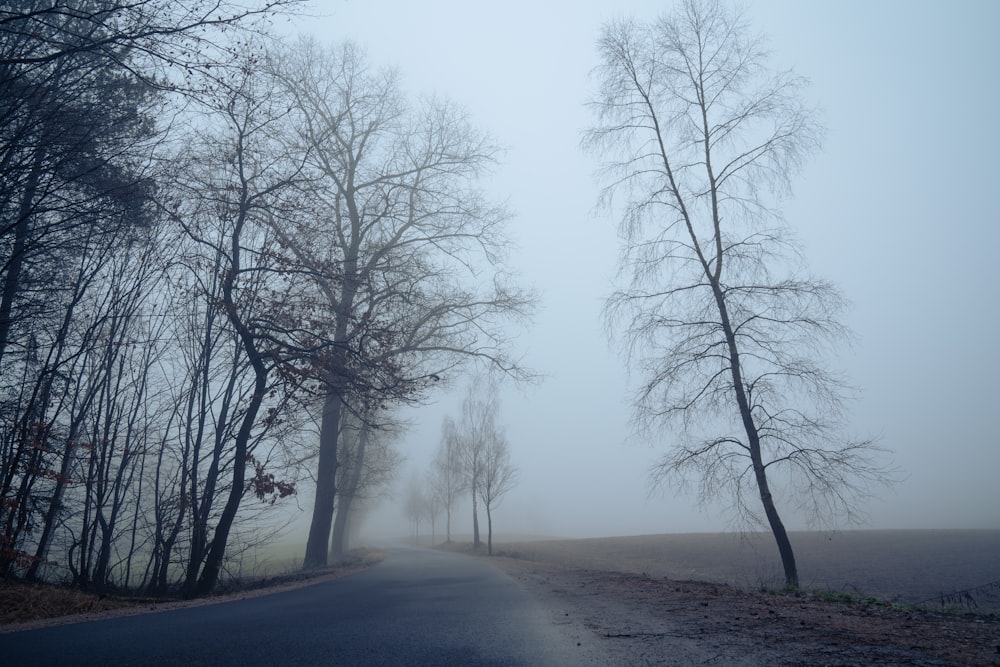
{"x":417,"y":607}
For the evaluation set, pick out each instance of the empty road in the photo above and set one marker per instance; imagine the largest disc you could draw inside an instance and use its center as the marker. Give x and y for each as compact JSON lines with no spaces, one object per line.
{"x":418,"y":607}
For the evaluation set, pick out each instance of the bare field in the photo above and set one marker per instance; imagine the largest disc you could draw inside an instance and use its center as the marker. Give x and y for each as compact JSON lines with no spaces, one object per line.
{"x":661,"y":599}
{"x":934,"y":568}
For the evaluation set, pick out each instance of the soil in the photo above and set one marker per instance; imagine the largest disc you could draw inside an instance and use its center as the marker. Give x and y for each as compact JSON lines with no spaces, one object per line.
{"x":617,"y":592}
{"x":645,"y":621}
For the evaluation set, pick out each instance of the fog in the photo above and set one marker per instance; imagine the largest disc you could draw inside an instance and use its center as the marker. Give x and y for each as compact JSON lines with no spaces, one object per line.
{"x":897,"y":209}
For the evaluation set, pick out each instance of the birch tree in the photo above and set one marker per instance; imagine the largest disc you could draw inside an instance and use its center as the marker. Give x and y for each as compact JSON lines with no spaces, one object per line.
{"x":729,"y":335}
{"x":499,"y":474}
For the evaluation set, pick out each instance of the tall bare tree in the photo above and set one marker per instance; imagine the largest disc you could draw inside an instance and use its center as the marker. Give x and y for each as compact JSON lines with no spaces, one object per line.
{"x":701,"y":140}
{"x":226,"y":198}
{"x":404,"y":248}
{"x":476,"y":431}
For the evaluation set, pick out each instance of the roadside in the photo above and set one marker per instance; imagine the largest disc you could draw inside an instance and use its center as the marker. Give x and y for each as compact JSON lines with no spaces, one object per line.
{"x":642,"y":620}
{"x":29,"y":606}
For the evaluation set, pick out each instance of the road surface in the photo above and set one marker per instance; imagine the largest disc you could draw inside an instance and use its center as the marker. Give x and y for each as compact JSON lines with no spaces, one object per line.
{"x":417,"y":607}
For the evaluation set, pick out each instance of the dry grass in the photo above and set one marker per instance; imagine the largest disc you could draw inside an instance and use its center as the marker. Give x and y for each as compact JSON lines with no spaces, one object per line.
{"x":24,"y":605}
{"x":939,"y":569}
{"x":21,"y":602}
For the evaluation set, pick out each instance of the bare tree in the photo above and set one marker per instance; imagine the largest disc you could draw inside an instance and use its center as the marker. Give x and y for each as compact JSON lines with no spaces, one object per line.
{"x":84,"y":368}
{"x":447,"y":477}
{"x":167,"y":33}
{"x":404,"y":248}
{"x":415,"y":505}
{"x":476,"y":433}
{"x":702,"y":139}
{"x":498,"y":477}
{"x":100,"y":60}
{"x":368,"y":461}
{"x":225,"y":198}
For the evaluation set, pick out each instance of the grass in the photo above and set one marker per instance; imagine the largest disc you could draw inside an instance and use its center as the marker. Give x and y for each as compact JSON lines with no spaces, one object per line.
{"x":857,"y":600}
{"x":960,"y":603}
{"x":22,"y":602}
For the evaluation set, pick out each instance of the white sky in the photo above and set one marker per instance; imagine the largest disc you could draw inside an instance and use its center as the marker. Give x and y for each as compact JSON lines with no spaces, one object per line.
{"x":898,"y":209}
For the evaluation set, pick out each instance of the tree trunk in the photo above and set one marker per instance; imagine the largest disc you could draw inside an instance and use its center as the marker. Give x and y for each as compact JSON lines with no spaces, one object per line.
{"x":338,"y":539}
{"x":12,"y":281}
{"x":777,"y":527}
{"x":341,"y":540}
{"x":753,"y":443}
{"x":217,"y":552}
{"x":475,"y":518}
{"x":326,"y":484}
{"x":489,"y":531}
{"x":338,"y":544}
{"x":55,"y":502}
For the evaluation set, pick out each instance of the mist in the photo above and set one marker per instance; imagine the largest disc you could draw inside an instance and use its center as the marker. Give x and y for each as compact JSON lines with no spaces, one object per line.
{"x":894,"y":210}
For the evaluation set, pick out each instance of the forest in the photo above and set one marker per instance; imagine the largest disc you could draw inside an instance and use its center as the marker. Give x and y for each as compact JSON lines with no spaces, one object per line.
{"x":227,"y":259}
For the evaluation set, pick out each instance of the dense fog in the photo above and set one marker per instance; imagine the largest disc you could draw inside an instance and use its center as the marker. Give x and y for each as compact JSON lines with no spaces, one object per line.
{"x":895,"y":209}
{"x":280,"y":278}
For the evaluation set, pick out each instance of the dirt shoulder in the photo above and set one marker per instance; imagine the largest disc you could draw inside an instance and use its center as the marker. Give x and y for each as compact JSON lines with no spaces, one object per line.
{"x":646,"y":620}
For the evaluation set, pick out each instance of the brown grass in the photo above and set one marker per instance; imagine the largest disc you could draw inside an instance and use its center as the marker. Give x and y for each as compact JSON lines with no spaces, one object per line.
{"x":20,"y":602}
{"x":24,"y":605}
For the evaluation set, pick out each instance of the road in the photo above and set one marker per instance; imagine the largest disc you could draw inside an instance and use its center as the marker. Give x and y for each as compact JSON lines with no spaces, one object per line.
{"x":417,"y":607}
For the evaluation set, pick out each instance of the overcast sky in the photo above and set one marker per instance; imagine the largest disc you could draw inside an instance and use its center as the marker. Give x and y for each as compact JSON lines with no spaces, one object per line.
{"x":899,"y":209}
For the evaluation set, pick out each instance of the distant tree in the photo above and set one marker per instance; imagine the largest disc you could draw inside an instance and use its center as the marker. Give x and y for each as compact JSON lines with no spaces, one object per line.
{"x":477,"y":419}
{"x":368,"y":461}
{"x":485,"y":463}
{"x":433,"y":503}
{"x":498,"y":477}
{"x":447,"y":477}
{"x":415,"y":505}
{"x":702,"y":139}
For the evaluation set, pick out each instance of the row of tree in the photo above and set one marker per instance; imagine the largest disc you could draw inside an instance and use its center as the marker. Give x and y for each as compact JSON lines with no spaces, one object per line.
{"x":225,"y":261}
{"x":473,"y":459}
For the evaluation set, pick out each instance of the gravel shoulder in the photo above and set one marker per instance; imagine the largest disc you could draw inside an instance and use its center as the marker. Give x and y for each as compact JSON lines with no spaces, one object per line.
{"x":642,"y":620}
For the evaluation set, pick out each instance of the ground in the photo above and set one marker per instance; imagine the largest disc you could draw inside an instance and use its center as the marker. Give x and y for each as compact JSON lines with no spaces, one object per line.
{"x":640,"y":600}
{"x":649,"y":621}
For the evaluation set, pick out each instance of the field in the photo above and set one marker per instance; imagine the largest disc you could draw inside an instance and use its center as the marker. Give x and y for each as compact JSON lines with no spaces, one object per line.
{"x":958,"y":569}
{"x":867,"y":597}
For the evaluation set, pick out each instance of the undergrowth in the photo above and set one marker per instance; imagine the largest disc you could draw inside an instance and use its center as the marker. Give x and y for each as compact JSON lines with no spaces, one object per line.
{"x":21,"y":601}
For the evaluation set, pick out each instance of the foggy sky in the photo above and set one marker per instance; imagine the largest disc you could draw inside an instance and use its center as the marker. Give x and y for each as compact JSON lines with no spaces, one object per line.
{"x":897,"y":210}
